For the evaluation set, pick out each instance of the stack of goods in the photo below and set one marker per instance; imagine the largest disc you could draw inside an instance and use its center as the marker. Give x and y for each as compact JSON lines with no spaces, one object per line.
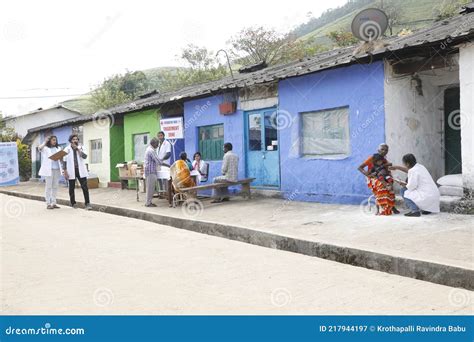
{"x":451,"y":185}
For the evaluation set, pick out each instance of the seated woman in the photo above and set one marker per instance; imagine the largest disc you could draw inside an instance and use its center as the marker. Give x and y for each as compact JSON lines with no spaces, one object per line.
{"x":384,"y":195}
{"x":180,"y":173}
{"x":200,"y":166}
{"x":420,"y":193}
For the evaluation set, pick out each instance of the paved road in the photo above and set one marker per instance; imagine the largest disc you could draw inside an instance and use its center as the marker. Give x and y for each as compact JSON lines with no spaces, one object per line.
{"x":70,"y":261}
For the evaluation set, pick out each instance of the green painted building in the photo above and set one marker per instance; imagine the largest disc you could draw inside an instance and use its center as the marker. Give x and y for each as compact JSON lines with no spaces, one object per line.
{"x":138,"y":129}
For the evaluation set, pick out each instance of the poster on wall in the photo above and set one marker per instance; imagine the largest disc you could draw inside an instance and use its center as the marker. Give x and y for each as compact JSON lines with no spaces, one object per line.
{"x":173,"y":128}
{"x":9,"y":169}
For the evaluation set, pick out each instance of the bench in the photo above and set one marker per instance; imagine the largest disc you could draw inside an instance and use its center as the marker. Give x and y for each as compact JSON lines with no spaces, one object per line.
{"x":191,"y":192}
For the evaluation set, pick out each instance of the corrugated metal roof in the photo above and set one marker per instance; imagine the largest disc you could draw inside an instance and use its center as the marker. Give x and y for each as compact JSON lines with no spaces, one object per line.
{"x":71,"y":121}
{"x":450,"y":31}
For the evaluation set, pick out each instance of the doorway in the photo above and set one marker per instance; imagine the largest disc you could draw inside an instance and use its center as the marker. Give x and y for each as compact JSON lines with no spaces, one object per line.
{"x":262,"y":148}
{"x":452,"y":131}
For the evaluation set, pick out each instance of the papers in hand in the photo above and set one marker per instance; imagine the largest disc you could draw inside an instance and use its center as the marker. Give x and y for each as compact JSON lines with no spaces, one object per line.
{"x":58,"y":155}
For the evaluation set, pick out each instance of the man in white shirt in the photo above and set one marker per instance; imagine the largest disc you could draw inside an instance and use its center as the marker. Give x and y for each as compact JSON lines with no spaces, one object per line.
{"x":164,"y":155}
{"x":164,"y":149}
{"x":75,"y":168}
{"x":420,"y":193}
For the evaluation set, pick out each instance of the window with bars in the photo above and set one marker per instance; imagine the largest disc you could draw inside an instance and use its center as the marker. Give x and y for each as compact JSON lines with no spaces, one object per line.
{"x":96,"y":151}
{"x":211,"y":142}
{"x":325,"y":133}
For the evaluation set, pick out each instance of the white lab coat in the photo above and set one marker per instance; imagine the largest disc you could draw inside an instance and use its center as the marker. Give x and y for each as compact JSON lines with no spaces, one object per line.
{"x":69,"y":158}
{"x":422,"y":190}
{"x":45,"y":169}
{"x":163,"y":149}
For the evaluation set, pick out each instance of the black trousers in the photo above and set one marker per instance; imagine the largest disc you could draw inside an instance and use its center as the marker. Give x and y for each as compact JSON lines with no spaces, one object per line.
{"x":72,"y":185}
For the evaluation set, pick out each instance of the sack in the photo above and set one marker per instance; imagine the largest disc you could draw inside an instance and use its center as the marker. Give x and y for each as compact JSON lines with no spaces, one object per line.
{"x":451,"y":180}
{"x":446,"y":190}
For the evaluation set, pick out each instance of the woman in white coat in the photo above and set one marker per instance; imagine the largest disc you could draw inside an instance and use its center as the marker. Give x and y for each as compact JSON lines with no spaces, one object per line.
{"x":420,"y":193}
{"x":51,"y":170}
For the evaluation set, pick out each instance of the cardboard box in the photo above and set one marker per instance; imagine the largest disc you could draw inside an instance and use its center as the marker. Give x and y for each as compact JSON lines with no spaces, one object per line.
{"x":123,"y":170}
{"x":93,"y":183}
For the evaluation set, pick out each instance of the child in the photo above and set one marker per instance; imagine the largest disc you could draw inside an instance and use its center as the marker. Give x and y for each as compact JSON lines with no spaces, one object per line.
{"x":380,"y":171}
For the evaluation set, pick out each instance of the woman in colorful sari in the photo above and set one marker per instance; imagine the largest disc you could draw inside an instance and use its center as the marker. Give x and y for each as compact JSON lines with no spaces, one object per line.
{"x":180,"y":173}
{"x":384,"y":196}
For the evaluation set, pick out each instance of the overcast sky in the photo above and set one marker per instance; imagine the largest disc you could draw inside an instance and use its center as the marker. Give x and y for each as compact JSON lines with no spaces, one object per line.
{"x":67,"y":47}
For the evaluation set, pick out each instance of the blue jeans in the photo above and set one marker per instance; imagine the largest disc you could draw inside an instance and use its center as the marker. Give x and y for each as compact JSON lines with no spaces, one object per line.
{"x":410,"y":204}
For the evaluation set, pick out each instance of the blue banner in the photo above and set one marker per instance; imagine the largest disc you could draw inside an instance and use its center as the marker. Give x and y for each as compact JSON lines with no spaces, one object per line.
{"x":9,"y":168}
{"x":236,"y":328}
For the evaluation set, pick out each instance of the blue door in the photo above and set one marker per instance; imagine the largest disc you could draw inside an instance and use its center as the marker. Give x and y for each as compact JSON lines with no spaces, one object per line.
{"x":262,"y":148}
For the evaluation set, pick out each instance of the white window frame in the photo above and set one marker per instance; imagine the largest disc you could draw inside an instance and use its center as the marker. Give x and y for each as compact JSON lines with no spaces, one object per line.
{"x":324,"y":152}
{"x":93,"y":151}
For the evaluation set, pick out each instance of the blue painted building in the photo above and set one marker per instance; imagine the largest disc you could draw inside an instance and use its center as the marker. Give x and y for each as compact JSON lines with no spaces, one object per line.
{"x":203,"y":124}
{"x":309,"y":145}
{"x":344,"y":108}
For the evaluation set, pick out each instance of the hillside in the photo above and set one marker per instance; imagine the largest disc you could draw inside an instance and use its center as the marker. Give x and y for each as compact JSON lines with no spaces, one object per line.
{"x":84,"y":105}
{"x":413,"y":14}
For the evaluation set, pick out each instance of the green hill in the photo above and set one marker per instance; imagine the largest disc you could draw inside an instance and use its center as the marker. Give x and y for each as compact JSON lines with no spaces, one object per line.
{"x":413,"y":14}
{"x":84,"y":105}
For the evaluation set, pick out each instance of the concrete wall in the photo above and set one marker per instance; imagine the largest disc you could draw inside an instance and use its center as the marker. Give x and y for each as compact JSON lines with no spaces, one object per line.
{"x":98,"y":130}
{"x":414,"y":123}
{"x":360,"y":87}
{"x":204,"y":112}
{"x":466,"y":64}
{"x":22,"y":123}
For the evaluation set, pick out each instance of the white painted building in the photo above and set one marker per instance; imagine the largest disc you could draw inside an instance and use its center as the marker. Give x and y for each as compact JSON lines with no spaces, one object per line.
{"x":97,"y":144}
{"x":466,"y":64}
{"x":22,"y":123}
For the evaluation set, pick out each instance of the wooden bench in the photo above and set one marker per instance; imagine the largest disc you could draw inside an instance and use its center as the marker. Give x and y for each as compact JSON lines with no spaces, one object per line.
{"x":191,"y":192}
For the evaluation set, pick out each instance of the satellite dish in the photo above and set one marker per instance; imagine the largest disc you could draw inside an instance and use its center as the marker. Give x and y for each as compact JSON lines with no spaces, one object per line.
{"x":369,"y":24}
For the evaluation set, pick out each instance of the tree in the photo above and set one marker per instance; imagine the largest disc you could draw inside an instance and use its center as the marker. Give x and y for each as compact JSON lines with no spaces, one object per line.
{"x":201,"y":65}
{"x":119,"y":89}
{"x":394,"y":12}
{"x":448,"y":9}
{"x":255,"y":44}
{"x":342,"y":38}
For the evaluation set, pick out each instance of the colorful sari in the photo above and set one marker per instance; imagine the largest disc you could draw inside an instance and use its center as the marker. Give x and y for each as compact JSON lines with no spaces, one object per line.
{"x":180,"y":175}
{"x":384,"y":197}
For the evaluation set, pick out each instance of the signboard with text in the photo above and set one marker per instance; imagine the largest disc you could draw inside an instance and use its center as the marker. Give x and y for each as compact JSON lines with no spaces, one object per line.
{"x":9,"y":169}
{"x":173,"y":128}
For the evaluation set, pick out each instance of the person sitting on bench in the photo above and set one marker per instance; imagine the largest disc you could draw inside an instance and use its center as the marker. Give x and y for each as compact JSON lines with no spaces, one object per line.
{"x":230,"y":168}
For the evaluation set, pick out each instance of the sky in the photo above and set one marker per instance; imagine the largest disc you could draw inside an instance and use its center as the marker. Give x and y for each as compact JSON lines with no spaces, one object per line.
{"x":51,"y":51}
